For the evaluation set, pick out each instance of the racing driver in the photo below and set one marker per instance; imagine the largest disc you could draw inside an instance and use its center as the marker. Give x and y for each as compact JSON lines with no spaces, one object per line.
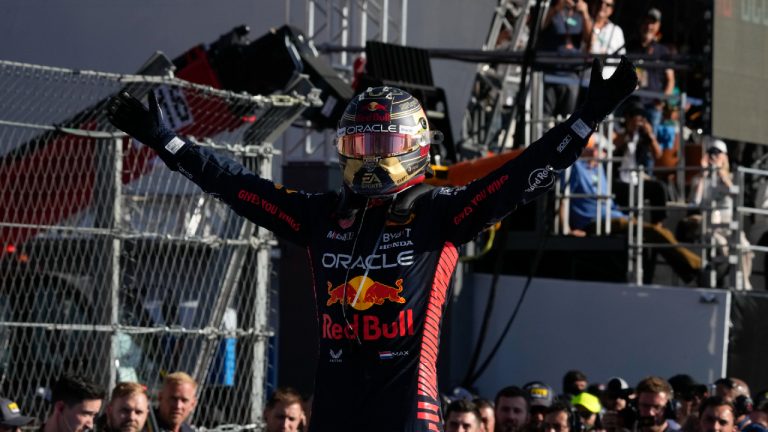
{"x":383,"y":248}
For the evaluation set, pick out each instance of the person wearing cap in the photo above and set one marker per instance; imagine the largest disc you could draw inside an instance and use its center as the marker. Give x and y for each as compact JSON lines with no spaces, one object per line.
{"x":660,"y":81}
{"x":540,"y":397}
{"x":76,"y":402}
{"x":616,"y":395}
{"x":586,"y":406}
{"x":511,"y":409}
{"x":713,"y":190}
{"x":653,"y":397}
{"x":127,"y":409}
{"x":614,"y":398}
{"x":689,"y":395}
{"x":11,"y":419}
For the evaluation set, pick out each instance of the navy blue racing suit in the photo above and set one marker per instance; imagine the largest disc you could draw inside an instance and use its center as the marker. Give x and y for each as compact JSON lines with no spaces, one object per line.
{"x":378,"y":349}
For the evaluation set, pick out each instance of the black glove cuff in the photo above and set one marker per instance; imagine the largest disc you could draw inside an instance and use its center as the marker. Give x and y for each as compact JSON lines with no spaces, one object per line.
{"x":172,"y":149}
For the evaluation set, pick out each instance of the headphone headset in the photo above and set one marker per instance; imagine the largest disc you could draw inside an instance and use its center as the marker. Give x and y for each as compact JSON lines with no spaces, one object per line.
{"x":670,"y":409}
{"x":631,"y":413}
{"x":743,"y":405}
{"x":574,"y":424}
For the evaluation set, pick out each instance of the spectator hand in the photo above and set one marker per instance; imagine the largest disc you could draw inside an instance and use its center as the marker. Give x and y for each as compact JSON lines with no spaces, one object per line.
{"x":582,"y":7}
{"x":606,"y":94}
{"x":128,"y":114}
{"x":646,"y":128}
{"x":578,"y":233}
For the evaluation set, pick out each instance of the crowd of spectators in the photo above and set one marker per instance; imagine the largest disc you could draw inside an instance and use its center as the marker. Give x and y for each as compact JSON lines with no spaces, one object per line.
{"x":642,"y":151}
{"x":654,"y":404}
{"x":77,"y":404}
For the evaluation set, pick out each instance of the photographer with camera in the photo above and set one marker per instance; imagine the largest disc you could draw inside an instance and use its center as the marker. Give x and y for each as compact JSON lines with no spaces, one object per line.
{"x":638,"y":147}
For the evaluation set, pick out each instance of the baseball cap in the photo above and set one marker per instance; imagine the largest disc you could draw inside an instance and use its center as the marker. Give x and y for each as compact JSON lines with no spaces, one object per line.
{"x":11,"y":415}
{"x":685,"y":387}
{"x":617,"y":387}
{"x":717,"y":145}
{"x":654,"y":14}
{"x":588,"y":401}
{"x":539,"y":394}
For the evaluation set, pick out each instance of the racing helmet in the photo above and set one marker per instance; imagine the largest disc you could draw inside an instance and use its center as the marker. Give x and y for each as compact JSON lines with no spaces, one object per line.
{"x":383,"y":142}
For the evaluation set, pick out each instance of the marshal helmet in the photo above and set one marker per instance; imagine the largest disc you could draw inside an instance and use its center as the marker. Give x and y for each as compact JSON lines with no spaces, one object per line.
{"x":383,"y":142}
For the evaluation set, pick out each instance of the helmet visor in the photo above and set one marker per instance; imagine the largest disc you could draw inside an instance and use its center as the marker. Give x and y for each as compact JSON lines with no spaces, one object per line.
{"x":378,"y":144}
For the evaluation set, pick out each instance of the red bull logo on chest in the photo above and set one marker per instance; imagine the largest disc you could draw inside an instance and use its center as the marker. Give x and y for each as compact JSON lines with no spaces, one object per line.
{"x":371,"y":293}
{"x":362,"y":293}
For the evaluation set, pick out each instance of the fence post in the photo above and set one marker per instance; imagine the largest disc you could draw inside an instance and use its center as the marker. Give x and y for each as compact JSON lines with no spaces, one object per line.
{"x":735,"y":227}
{"x":261,"y":306}
{"x":117,"y":209}
{"x":639,"y":223}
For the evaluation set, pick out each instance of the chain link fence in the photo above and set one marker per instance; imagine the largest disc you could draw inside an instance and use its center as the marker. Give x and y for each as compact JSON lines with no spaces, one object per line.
{"x":114,"y":267}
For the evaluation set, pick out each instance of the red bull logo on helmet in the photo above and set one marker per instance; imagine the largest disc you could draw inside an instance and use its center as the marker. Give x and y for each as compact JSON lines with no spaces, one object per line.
{"x":375,"y":106}
{"x":373,"y":112}
{"x":371,"y":293}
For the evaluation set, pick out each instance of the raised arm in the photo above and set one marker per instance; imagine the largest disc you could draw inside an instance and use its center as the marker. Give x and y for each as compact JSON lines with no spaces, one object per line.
{"x":263,"y":202}
{"x":485,"y":201}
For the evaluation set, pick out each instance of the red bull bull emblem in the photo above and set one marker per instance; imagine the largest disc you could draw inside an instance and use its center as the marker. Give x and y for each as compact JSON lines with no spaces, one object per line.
{"x":372,"y":293}
{"x":375,"y":106}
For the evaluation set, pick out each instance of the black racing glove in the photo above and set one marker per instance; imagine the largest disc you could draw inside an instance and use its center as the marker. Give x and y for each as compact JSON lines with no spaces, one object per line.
{"x":605,"y":95}
{"x":128,"y":114}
